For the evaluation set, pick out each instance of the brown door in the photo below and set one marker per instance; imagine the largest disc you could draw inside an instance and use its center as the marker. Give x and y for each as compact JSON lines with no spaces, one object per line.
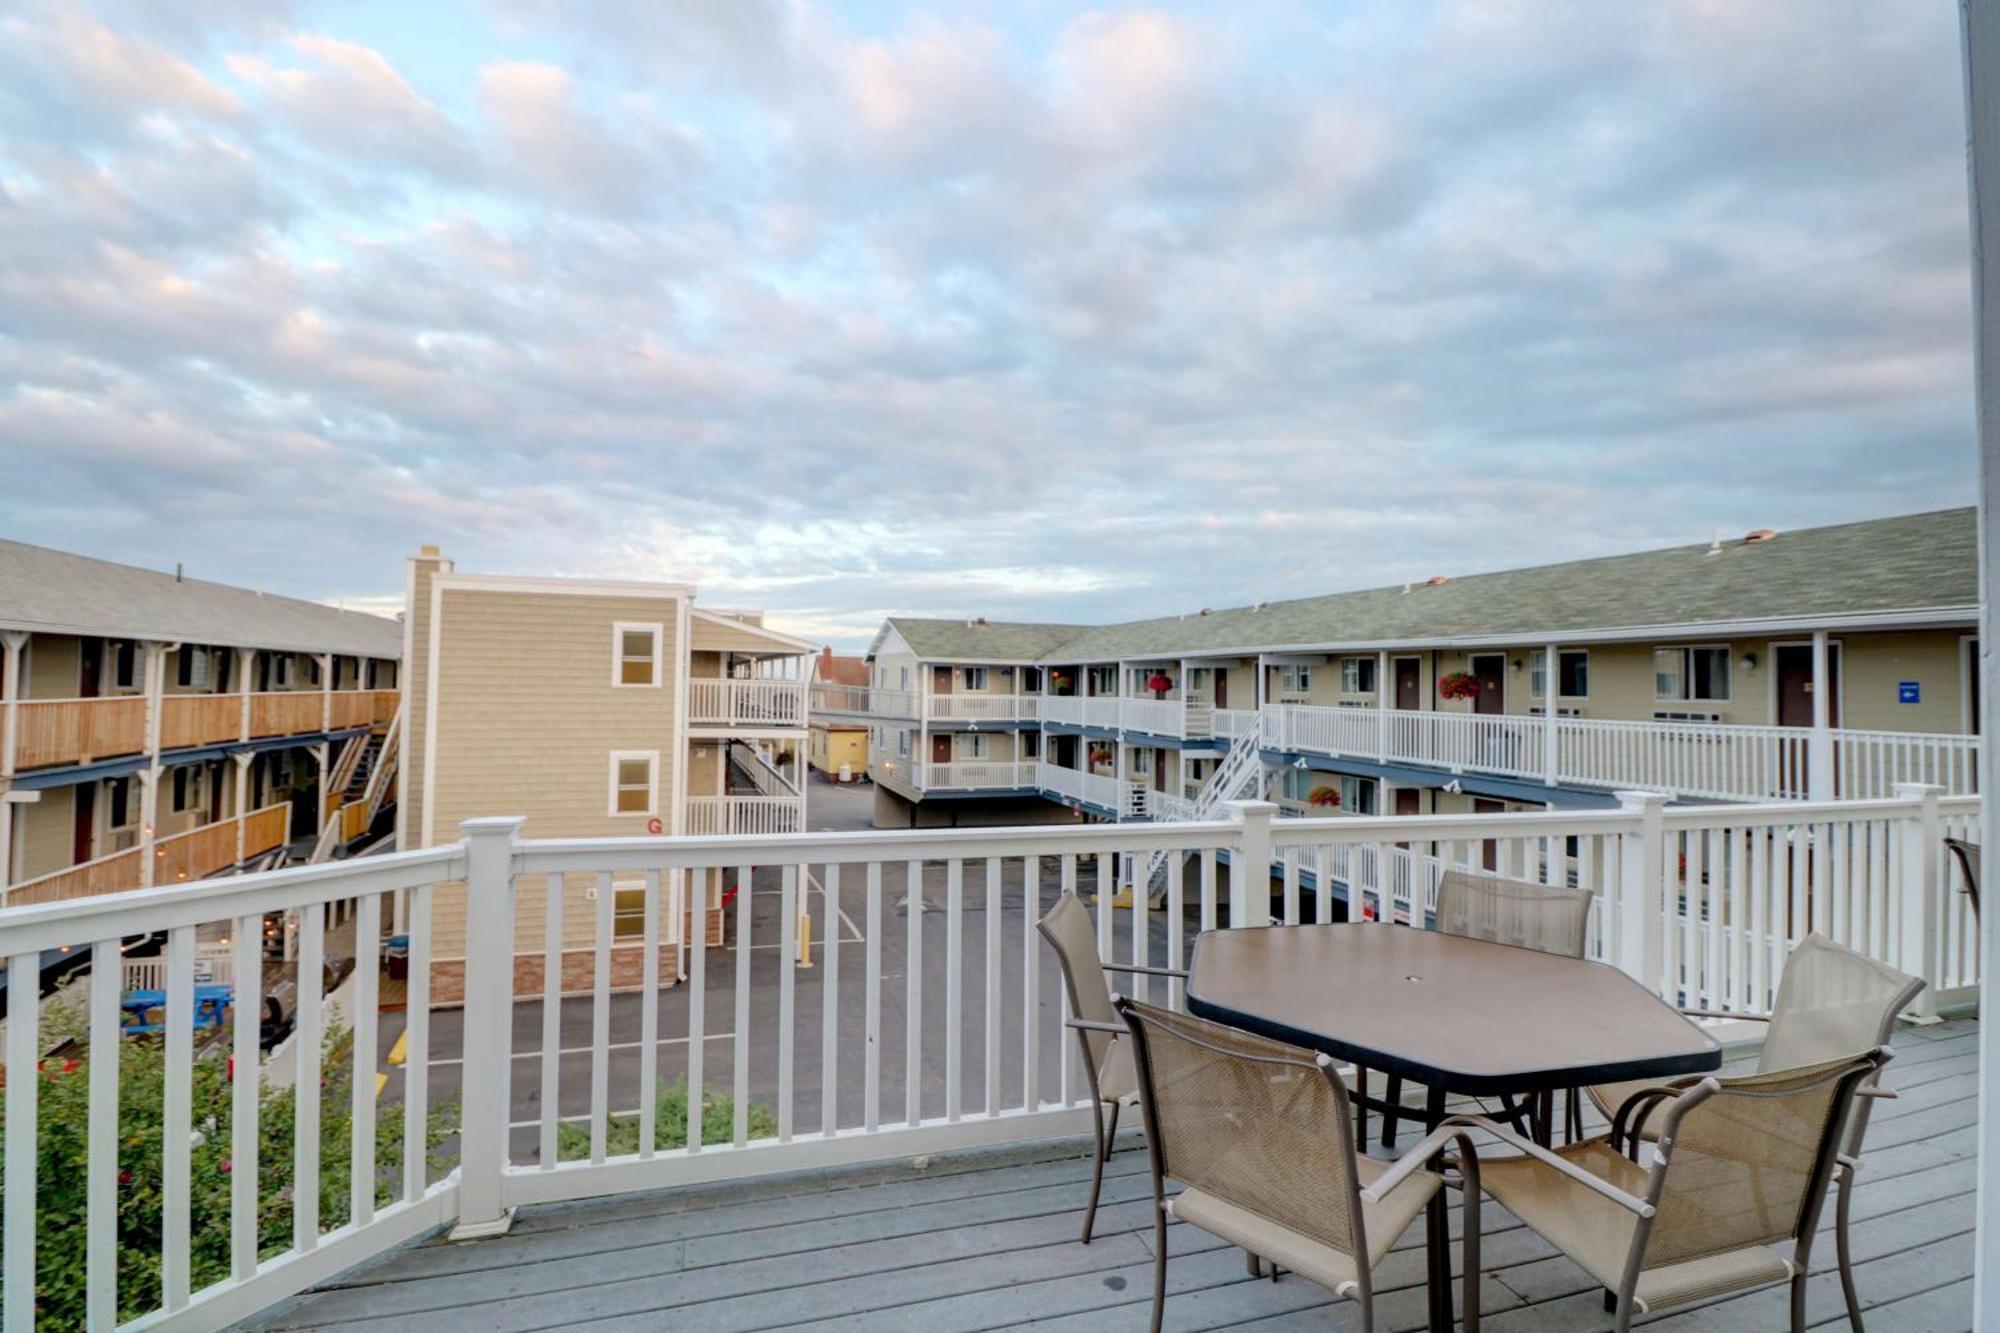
{"x":1490,"y":670}
{"x":1409,"y":687}
{"x":1409,"y":801}
{"x":1159,"y":770}
{"x":1795,"y":685}
{"x":214,"y":792}
{"x":1972,"y":686}
{"x":941,"y":749}
{"x":83,"y":836}
{"x":89,"y":668}
{"x":940,"y":680}
{"x":1222,"y":687}
{"x":1489,"y":851}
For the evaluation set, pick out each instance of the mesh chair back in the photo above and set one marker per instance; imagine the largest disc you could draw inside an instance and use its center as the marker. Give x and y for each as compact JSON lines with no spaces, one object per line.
{"x":1067,"y":928}
{"x":1748,"y":1164}
{"x":1551,"y":918}
{"x":1833,"y":1000}
{"x":1251,"y":1121}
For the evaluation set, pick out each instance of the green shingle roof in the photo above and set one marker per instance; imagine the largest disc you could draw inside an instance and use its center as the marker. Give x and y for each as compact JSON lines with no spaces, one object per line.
{"x":1914,"y":562}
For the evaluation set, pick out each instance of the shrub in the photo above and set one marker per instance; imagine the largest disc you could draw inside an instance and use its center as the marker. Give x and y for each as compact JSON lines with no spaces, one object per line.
{"x":621,"y":1132}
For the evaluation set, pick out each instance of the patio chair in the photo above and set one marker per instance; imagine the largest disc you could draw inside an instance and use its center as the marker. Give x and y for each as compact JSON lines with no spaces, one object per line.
{"x":1107,"y":1055}
{"x":1738,"y":1165}
{"x":1830,"y":1000}
{"x":1259,"y":1136}
{"x":1968,"y":864}
{"x":1549,"y":918}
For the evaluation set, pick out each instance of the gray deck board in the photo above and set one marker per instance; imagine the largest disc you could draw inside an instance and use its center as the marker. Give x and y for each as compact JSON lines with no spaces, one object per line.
{"x":989,"y":1240}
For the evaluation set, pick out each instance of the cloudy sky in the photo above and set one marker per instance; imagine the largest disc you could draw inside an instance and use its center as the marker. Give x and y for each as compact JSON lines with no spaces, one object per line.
{"x":1010,"y":308}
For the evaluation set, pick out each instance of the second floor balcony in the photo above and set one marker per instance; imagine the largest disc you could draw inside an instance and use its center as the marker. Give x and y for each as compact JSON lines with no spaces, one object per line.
{"x":50,"y":733}
{"x":747,"y":703}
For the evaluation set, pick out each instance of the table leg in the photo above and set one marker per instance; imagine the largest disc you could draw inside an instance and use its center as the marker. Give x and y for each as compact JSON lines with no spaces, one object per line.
{"x":1437,"y":1229}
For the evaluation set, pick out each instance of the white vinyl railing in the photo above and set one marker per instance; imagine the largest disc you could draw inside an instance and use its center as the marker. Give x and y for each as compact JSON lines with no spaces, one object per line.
{"x":983,"y":707}
{"x":980,"y":775}
{"x":749,"y":703}
{"x":745,"y":814}
{"x":868,"y":1056}
{"x":1712,"y":761}
{"x":1160,"y":717}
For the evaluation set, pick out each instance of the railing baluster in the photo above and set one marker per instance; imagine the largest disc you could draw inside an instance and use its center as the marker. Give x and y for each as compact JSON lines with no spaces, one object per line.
{"x":417,"y":1046}
{"x":305,"y":1106}
{"x":1323,"y":906}
{"x":992,"y":1006}
{"x":739,"y":1044}
{"x":954,"y":985}
{"x":829,"y":1017}
{"x":1031,"y":984}
{"x":649,"y":1020}
{"x":1069,"y":1070}
{"x":1176,"y":952}
{"x":788,"y":967}
{"x":554,"y":890}
{"x":1289,"y":857}
{"x":600,"y":1018}
{"x":1208,"y":889}
{"x":1105,"y":917}
{"x":17,"y":1248}
{"x":696,"y":889}
{"x":176,"y":1127}
{"x":367,"y":977}
{"x":101,"y":1170}
{"x":872,"y":1005}
{"x":913,"y":1003}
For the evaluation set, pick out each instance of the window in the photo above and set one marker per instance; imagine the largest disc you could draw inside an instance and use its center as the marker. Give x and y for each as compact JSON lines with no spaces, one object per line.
{"x":121,"y":802}
{"x":281,"y":670}
{"x":1357,"y":675}
{"x":628,"y":910}
{"x":1031,"y":744}
{"x":635,"y":654}
{"x":124,"y":664}
{"x":1142,"y":763}
{"x":1295,"y":678}
{"x":1575,"y":668}
{"x":972,"y":746}
{"x":902,"y":742}
{"x":1104,"y":680}
{"x":312,"y":671}
{"x":635,"y":782}
{"x":186,"y":788}
{"x":1357,"y":795}
{"x":1031,"y":680}
{"x":974,"y":677}
{"x":1691,"y":673}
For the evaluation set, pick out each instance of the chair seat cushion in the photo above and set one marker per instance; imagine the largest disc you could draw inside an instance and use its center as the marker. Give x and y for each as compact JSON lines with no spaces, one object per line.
{"x":1385,"y":1222}
{"x":1597,"y":1233}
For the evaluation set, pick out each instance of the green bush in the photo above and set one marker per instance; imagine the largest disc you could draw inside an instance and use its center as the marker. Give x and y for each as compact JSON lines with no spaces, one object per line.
{"x":63,"y":1100}
{"x":670,"y":1118}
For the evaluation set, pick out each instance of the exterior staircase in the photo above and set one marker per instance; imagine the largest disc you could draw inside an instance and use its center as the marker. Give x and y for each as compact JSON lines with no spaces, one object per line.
{"x":1239,"y":775}
{"x":365,"y":791}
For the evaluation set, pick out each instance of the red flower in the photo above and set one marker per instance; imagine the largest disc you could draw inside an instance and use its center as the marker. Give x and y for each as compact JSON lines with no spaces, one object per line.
{"x":226,"y":1164}
{"x":124,"y":1177}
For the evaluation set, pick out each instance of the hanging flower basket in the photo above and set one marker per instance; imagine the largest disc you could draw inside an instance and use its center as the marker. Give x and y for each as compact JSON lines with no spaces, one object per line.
{"x":1327,"y":797}
{"x":1159,"y":683}
{"x":1100,"y":756}
{"x":1458,"y":685}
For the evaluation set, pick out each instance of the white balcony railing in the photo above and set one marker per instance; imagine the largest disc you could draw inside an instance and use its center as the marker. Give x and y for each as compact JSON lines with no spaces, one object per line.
{"x":1707,"y":760}
{"x":983,"y":707}
{"x":707,"y":815}
{"x":979,"y":775}
{"x":863,"y":699}
{"x":1698,"y":903}
{"x":746,"y":703}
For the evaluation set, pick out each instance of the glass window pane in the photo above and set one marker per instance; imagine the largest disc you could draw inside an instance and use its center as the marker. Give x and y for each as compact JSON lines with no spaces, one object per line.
{"x":633,"y":772}
{"x":1710,"y":673}
{"x":631,"y":800}
{"x":1575,"y":675}
{"x":1668,"y":668}
{"x":632,"y":672}
{"x":638,"y":643}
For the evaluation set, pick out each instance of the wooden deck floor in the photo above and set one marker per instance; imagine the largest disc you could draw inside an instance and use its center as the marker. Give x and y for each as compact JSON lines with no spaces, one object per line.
{"x":988,"y":1240}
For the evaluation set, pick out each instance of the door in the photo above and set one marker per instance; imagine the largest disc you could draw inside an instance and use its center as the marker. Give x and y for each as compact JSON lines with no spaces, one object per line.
{"x":1409,"y":686}
{"x":940,"y":680}
{"x":83,"y":835}
{"x":1489,"y":850}
{"x":1489,"y":670}
{"x":1409,"y":801}
{"x":1795,"y":685}
{"x":214,"y":792}
{"x":941,"y":749}
{"x":89,"y":668}
{"x":1222,"y":687}
{"x":1159,"y":770}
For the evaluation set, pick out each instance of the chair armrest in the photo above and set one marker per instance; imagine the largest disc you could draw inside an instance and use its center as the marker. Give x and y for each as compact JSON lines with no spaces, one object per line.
{"x":1148,"y":971}
{"x":1092,"y":1025}
{"x":1722,"y":1013}
{"x":1881,"y":1094}
{"x":1553,"y":1162}
{"x":1416,"y":1158}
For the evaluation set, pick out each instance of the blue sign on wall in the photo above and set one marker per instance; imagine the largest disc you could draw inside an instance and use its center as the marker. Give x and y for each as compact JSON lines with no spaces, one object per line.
{"x":1909,"y":692}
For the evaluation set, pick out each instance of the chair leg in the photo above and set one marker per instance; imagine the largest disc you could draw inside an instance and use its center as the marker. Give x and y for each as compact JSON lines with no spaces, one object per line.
{"x":1799,"y":1303}
{"x":1391,"y":1105}
{"x":1361,"y":1106}
{"x":1104,"y":1135}
{"x":1841,"y":1209}
{"x":1159,"y":1263}
{"x":1252,"y":1264}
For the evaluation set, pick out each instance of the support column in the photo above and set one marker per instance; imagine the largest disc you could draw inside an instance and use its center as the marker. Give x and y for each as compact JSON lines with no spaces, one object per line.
{"x":154,"y":676}
{"x":242,"y":758}
{"x":325,"y":691}
{"x":1250,"y":866}
{"x":1819,"y":780}
{"x":1642,"y":926}
{"x":14,"y":642}
{"x":1382,"y":705}
{"x":1551,"y":692}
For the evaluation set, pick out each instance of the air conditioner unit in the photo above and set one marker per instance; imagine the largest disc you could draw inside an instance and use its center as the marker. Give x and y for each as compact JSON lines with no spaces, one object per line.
{"x":1679,"y":716}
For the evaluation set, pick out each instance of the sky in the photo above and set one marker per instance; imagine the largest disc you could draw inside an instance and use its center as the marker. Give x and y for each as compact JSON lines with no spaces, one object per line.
{"x":1007,"y":309}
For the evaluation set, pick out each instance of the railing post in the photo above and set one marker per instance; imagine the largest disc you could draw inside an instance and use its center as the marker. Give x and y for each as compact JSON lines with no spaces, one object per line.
{"x":1819,"y":757}
{"x":1250,"y":868}
{"x":1642,"y":926}
{"x":1920,"y":895}
{"x":489,"y":1012}
{"x":1551,"y":691}
{"x":11,"y":642}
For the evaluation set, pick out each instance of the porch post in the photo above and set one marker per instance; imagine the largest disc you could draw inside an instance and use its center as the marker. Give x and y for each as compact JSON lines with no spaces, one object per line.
{"x":1819,"y":765}
{"x":1250,"y":868}
{"x":242,"y":758}
{"x":1551,"y":691}
{"x":1642,"y":926}
{"x":1979,"y":26}
{"x":13,"y":641}
{"x":246,"y":659}
{"x":1382,"y":705}
{"x":489,"y":1014}
{"x":154,"y":675}
{"x":326,"y":691}
{"x":1921,"y":894}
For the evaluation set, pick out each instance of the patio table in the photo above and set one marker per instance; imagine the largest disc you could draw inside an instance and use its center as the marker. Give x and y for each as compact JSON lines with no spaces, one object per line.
{"x":1455,"y":1014}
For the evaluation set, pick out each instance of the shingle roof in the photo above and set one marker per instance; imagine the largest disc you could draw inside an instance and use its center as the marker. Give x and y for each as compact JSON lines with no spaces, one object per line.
{"x":1913,"y":562}
{"x":835,"y":669}
{"x":979,"y":640}
{"x":57,"y":592}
